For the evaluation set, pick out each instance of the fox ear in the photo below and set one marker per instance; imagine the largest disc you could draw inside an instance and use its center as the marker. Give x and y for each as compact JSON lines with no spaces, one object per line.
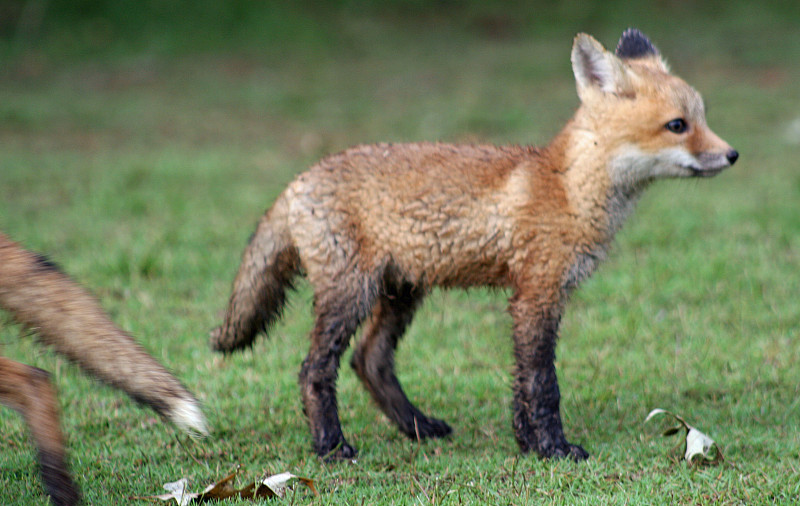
{"x":595,"y":68}
{"x":634,"y":45}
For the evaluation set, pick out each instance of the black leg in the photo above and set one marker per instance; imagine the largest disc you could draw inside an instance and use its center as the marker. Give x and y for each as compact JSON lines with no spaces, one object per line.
{"x":537,"y":419}
{"x":373,"y":361}
{"x":338,"y":317}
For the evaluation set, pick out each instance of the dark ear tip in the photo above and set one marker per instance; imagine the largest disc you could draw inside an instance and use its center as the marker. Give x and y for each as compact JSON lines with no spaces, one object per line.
{"x":635,"y":44}
{"x":633,"y":32}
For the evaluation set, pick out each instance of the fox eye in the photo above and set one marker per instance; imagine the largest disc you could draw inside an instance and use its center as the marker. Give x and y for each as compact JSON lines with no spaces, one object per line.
{"x":677,"y":126}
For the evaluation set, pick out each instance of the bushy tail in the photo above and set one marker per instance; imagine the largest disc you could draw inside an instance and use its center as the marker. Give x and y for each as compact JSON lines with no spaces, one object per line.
{"x":269,"y":264}
{"x":66,"y":317}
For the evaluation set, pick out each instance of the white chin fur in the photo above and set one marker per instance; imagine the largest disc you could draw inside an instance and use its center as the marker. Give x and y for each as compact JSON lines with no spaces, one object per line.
{"x":632,"y":165}
{"x":186,"y":415}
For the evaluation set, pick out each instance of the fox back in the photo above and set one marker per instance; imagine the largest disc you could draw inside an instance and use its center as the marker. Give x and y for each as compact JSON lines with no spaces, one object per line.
{"x":375,"y":227}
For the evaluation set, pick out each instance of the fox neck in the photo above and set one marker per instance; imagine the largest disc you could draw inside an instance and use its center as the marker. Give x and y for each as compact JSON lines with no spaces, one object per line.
{"x":600,"y":201}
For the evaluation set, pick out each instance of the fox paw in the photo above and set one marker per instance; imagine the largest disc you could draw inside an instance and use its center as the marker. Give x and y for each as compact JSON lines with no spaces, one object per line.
{"x":422,"y":427}
{"x":550,"y":445}
{"x":563,"y":449}
{"x":432,"y":428}
{"x":340,"y":452}
{"x":570,"y":451}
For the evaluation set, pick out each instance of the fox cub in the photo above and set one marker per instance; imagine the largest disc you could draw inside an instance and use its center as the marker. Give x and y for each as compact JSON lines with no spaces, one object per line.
{"x":375,"y":227}
{"x":41,"y":297}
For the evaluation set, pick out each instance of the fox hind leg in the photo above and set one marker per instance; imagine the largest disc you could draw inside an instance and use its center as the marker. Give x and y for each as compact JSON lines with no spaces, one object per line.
{"x":373,"y":361}
{"x":28,"y":390}
{"x":339,"y":312}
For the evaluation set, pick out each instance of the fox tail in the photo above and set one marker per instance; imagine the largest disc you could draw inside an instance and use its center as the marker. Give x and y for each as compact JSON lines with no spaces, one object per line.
{"x":64,"y":316}
{"x":269,"y":264}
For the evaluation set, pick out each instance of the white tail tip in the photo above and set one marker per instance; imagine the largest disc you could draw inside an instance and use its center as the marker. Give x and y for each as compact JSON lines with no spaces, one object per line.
{"x":188,"y":417}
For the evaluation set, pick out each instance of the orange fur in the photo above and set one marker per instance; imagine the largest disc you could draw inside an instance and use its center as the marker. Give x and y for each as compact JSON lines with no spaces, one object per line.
{"x":375,"y":227}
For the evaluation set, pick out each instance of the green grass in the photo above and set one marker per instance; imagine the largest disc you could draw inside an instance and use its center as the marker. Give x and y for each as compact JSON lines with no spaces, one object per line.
{"x":142,"y":165}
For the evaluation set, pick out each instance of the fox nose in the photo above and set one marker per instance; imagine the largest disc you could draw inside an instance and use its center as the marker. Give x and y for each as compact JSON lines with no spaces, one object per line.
{"x":732,"y":156}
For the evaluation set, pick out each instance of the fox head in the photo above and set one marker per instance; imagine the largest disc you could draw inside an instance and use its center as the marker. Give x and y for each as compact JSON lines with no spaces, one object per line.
{"x":651,"y":124}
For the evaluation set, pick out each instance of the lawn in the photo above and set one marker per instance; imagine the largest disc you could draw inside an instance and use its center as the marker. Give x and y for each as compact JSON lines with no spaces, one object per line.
{"x":139,"y":156}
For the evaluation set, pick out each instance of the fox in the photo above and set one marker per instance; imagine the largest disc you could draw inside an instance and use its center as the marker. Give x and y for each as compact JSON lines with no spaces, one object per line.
{"x":376,"y":227}
{"x":40,"y":297}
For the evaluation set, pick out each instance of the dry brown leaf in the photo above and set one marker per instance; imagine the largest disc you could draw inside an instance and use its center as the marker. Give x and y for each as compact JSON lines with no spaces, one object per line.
{"x":272,"y":486}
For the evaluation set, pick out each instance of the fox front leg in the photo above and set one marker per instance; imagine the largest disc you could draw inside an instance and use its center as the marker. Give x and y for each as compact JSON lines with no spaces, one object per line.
{"x":537,"y":419}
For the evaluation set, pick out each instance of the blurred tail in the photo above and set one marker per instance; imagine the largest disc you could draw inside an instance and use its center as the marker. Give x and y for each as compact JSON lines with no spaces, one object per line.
{"x":66,"y":317}
{"x":269,"y":264}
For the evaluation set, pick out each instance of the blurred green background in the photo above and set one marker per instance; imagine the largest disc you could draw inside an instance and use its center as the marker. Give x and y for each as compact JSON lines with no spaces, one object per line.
{"x":141,"y":140}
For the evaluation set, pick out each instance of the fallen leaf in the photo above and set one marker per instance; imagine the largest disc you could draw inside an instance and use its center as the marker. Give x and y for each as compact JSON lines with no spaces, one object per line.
{"x":700,"y":449}
{"x":697,"y":443}
{"x":176,"y":490}
{"x":221,"y":489}
{"x":277,"y":484}
{"x":272,"y":486}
